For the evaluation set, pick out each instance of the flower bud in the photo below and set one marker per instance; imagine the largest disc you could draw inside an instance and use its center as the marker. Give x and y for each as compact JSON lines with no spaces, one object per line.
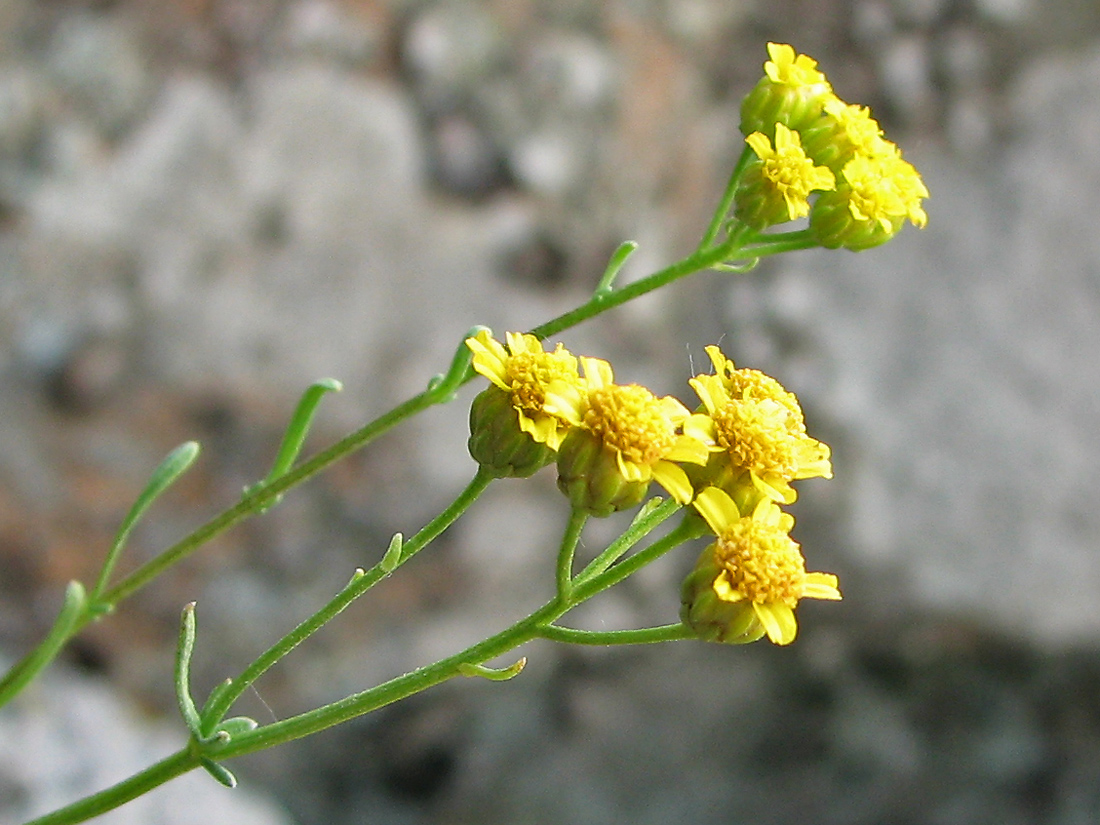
{"x":496,"y":441}
{"x":714,"y":619}
{"x":590,"y":477}
{"x":792,"y":92}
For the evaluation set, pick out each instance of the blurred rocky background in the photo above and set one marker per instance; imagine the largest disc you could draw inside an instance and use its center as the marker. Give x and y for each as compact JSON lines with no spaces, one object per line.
{"x":207,"y":204}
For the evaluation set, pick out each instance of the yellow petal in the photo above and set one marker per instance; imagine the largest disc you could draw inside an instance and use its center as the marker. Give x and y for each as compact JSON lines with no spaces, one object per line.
{"x":717,"y":508}
{"x":779,"y":622}
{"x":673,"y":478}
{"x":490,"y":358}
{"x":597,"y":372}
{"x":688,"y":449}
{"x":711,"y":391}
{"x":820,"y":586}
{"x":760,"y":144}
{"x":701,"y":428}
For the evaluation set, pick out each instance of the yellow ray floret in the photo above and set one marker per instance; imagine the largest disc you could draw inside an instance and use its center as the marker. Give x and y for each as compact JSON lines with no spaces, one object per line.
{"x":525,"y":370}
{"x":789,"y":68}
{"x":788,"y":171}
{"x":754,"y":565}
{"x":638,"y":428}
{"x":758,"y":426}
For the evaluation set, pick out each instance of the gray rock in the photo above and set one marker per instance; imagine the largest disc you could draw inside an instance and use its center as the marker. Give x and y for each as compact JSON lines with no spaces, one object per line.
{"x":100,"y":65}
{"x":451,"y":47}
{"x":323,"y":30}
{"x":68,"y":736}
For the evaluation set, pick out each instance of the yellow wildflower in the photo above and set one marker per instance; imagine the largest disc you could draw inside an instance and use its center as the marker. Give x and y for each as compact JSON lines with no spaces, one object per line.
{"x":749,"y":581}
{"x":623,"y":437}
{"x":874,"y":196}
{"x":792,"y":92}
{"x":525,"y":370}
{"x":777,"y":187}
{"x":757,"y":427}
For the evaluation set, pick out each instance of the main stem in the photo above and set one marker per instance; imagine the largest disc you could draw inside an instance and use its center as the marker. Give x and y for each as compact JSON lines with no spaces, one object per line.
{"x":356,"y":588}
{"x":137,"y":785}
{"x":395,"y":689}
{"x":604,"y":300}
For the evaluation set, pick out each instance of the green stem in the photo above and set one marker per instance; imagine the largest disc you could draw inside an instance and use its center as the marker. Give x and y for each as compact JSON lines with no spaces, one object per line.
{"x":266,"y":494}
{"x":763,"y":245}
{"x":395,"y":689}
{"x":577,"y":519}
{"x":602,"y":301}
{"x":643,"y":635}
{"x":538,"y":624}
{"x":531,"y":627}
{"x":108,"y":799}
{"x":639,"y":529}
{"x":721,"y":213}
{"x":24,"y":672}
{"x":687,"y":530}
{"x":359,"y":585}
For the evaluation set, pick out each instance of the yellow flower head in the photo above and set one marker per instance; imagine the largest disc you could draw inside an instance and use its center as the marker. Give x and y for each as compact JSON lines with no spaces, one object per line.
{"x":525,"y":370}
{"x":792,"y":92}
{"x":885,"y":189}
{"x":638,"y":431}
{"x":845,"y":131}
{"x":748,"y":582}
{"x":758,"y":426}
{"x":788,"y":68}
{"x":861,"y":131}
{"x":786,"y":179}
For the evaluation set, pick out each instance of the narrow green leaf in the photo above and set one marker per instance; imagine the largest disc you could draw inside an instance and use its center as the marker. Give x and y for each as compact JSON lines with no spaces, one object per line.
{"x":212,"y":701}
{"x":443,"y":387}
{"x":171,"y":468}
{"x":296,"y":432}
{"x":219,"y":772}
{"x":28,"y":668}
{"x":184,"y":649}
{"x":493,"y":674}
{"x":618,"y":259}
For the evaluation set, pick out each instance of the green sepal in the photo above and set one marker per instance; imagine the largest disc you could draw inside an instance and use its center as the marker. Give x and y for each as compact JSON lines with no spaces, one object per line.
{"x":496,"y":441}
{"x":589,"y":476}
{"x":796,"y":107}
{"x":833,"y":225}
{"x":711,"y":618}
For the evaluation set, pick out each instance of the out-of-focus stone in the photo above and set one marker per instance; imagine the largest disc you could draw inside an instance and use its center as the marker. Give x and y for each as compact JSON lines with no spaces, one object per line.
{"x":99,"y":63}
{"x":69,"y":736}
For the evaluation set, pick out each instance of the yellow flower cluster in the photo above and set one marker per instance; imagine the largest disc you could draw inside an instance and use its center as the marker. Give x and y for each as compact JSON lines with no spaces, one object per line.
{"x":734,"y":459}
{"x":807,"y":140}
